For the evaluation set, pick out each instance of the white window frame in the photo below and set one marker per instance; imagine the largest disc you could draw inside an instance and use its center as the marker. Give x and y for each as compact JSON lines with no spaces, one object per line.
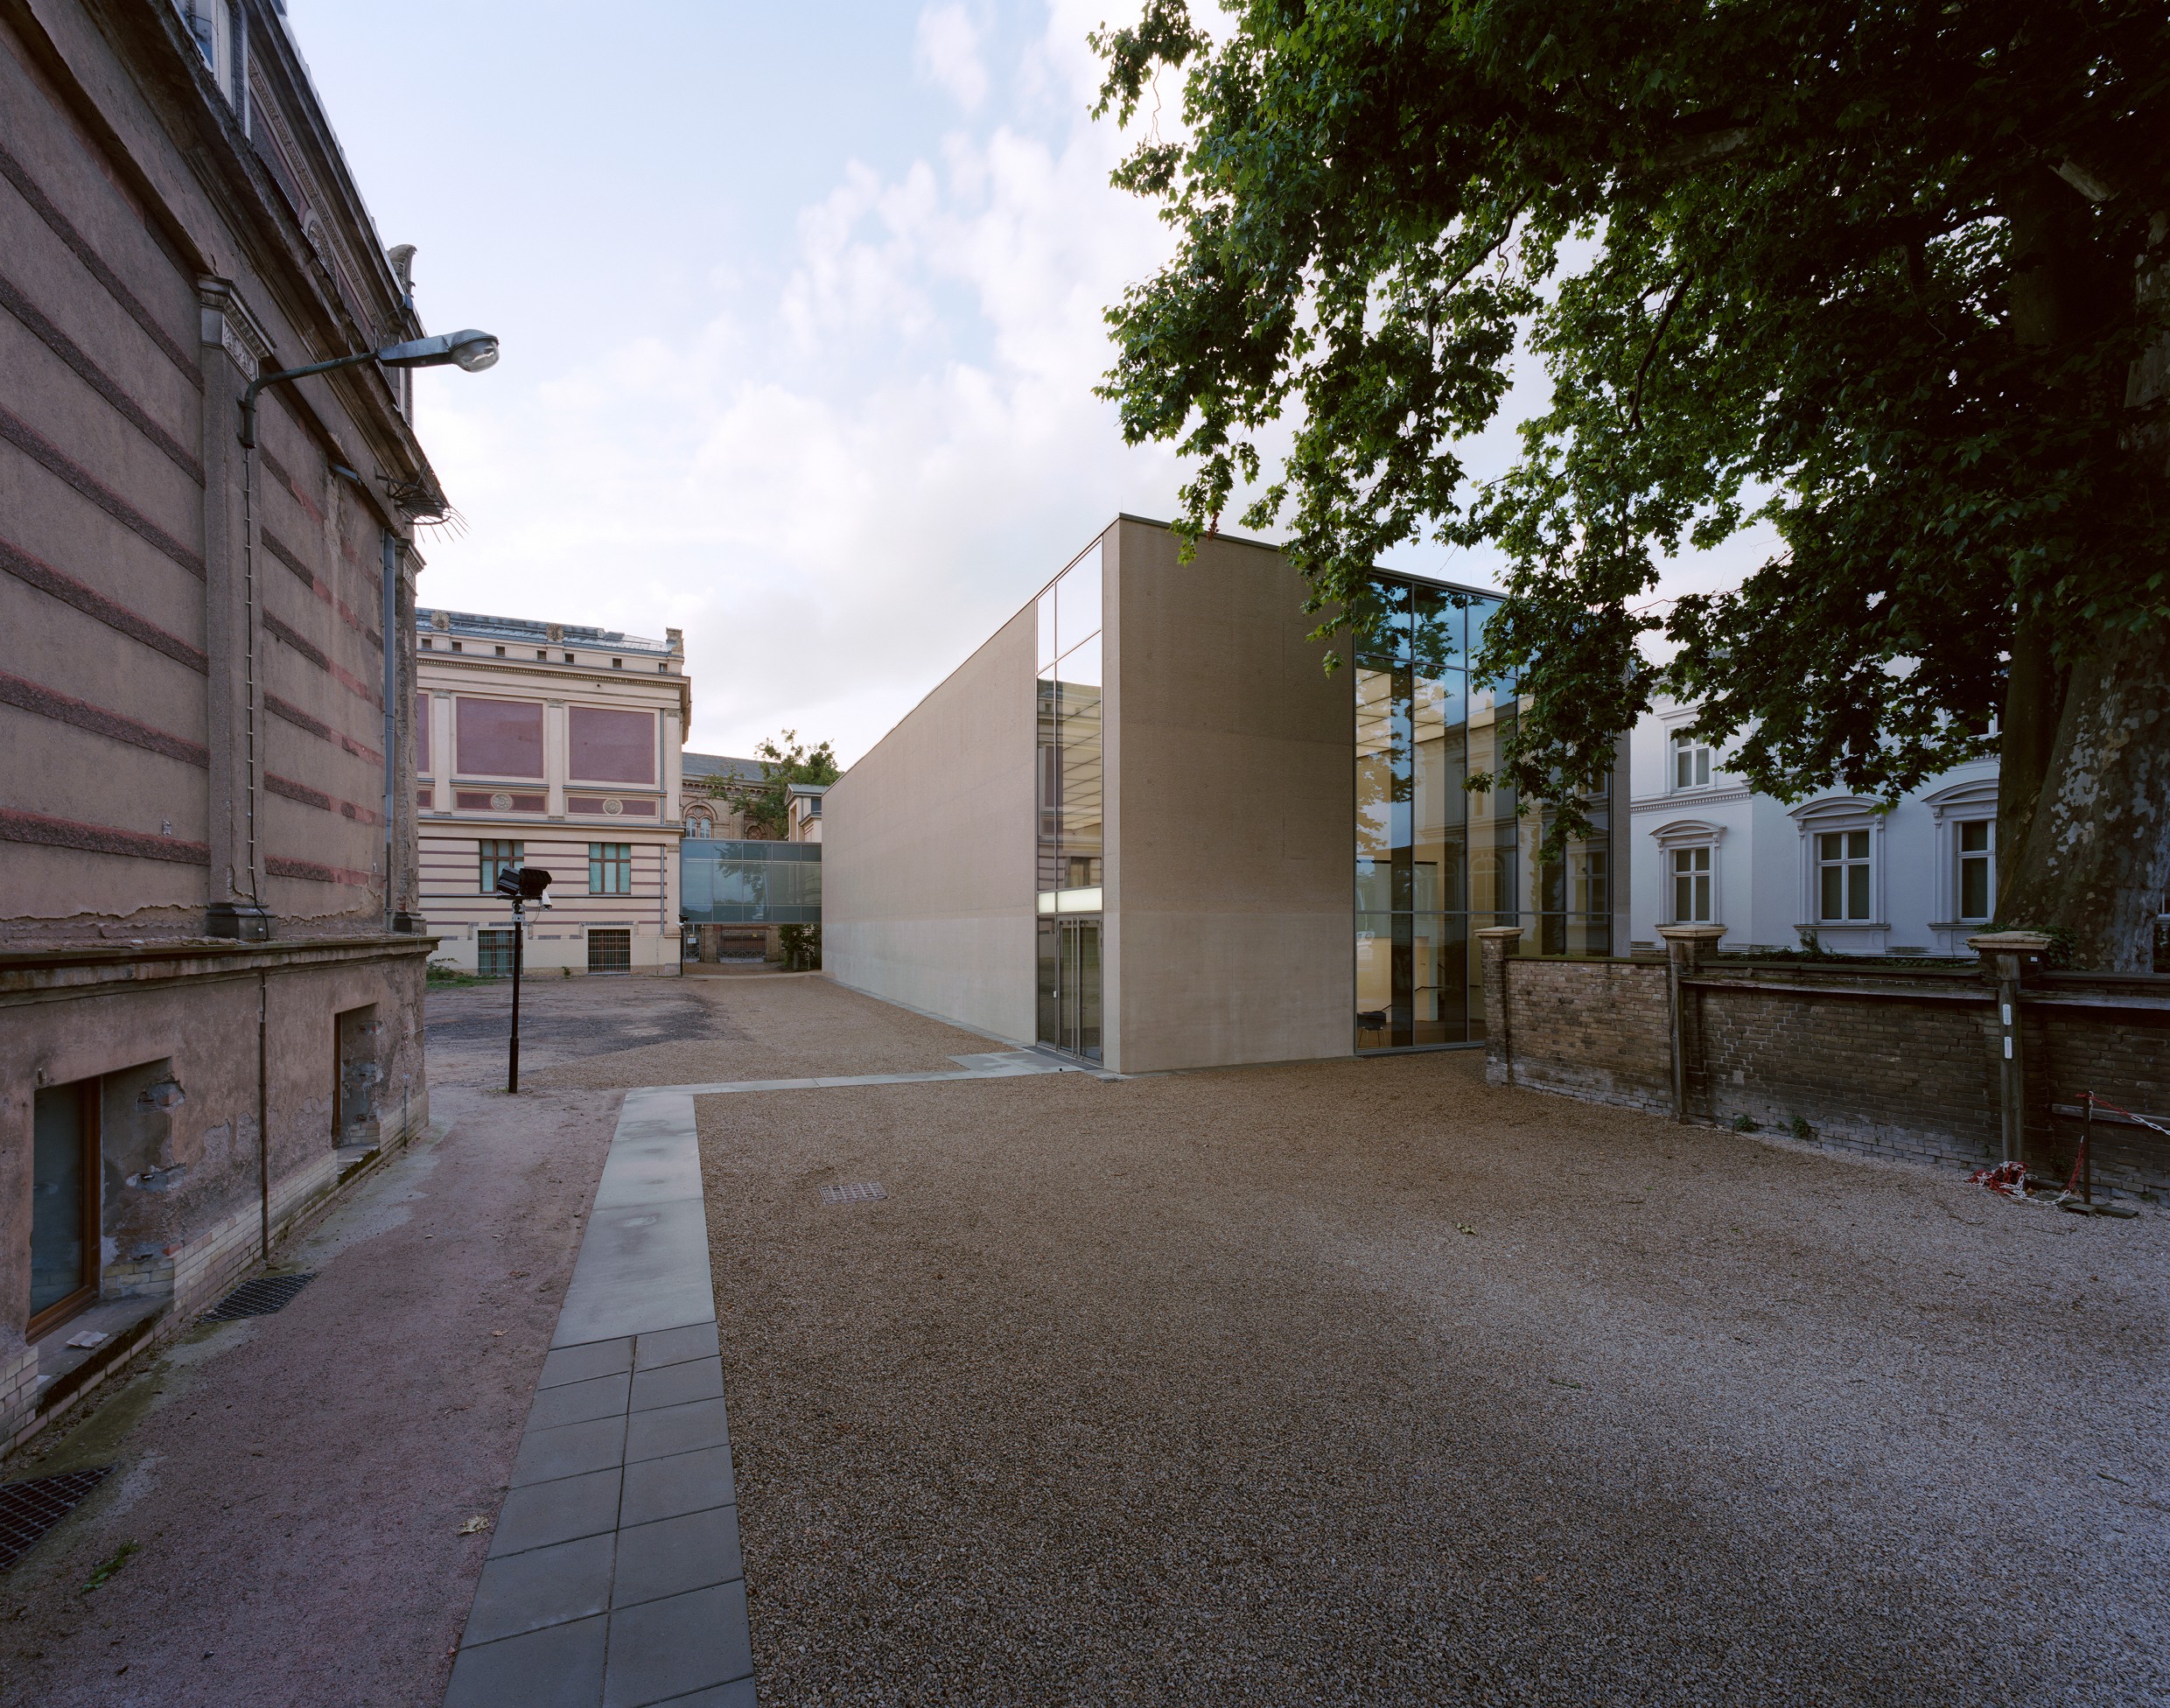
{"x":1680,"y":744}
{"x":1682,"y":836}
{"x":1831,"y":815}
{"x":1950,"y":806}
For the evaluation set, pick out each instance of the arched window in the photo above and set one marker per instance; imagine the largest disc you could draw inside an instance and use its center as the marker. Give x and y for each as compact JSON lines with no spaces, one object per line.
{"x":700,"y":822}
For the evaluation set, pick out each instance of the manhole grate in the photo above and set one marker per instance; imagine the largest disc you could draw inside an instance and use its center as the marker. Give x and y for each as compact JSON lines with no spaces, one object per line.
{"x":29,"y":1509}
{"x":860,"y":1192}
{"x":259,"y":1298}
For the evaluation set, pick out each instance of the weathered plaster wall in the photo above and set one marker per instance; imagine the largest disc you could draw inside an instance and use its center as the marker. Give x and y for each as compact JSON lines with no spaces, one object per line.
{"x":1230,"y":906}
{"x":926,"y":851}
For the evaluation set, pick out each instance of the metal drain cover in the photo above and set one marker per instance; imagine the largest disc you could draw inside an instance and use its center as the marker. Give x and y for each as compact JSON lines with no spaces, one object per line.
{"x":860,"y":1192}
{"x":259,"y":1298}
{"x":29,"y":1509}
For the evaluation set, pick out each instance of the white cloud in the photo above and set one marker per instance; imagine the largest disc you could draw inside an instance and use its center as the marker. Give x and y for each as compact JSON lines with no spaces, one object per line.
{"x":946,"y":52}
{"x":839,"y":487}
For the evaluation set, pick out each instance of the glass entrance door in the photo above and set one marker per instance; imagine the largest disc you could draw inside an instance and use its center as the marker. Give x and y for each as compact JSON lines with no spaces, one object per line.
{"x":1069,"y":986}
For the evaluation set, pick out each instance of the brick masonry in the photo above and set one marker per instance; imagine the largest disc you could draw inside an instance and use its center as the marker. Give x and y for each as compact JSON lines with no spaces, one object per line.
{"x":1898,"y":1062}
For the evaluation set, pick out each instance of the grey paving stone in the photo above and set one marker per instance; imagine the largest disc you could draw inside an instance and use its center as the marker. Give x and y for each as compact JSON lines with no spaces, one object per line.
{"x":579,"y":1401}
{"x":677,"y":1384}
{"x":737,"y":1694}
{"x":567,"y":1451}
{"x":685,"y":1482}
{"x":676,"y":1346}
{"x":543,"y":1513}
{"x":559,"y":1668}
{"x":675,"y":1555}
{"x":649,"y":1170}
{"x":552,"y":1585}
{"x":672,"y":1647}
{"x":674,"y":1429}
{"x":641,"y":1268}
{"x":584,"y":1362}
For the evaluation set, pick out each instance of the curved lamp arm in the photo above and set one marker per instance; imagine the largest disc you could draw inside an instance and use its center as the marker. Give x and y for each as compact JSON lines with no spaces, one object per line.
{"x":469,"y":349}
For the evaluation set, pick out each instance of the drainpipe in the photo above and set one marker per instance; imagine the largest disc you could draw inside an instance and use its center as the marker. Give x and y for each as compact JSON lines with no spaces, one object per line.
{"x":264,"y":1111}
{"x":391,"y":717}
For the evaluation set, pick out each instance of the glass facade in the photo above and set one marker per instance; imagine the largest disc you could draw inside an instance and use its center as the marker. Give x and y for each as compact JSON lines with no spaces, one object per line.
{"x":727,"y":882}
{"x":1072,"y":846}
{"x":1435,"y":863}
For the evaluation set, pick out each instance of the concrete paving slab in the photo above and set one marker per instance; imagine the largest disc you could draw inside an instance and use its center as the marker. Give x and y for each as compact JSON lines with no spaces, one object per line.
{"x":674,"y":1345}
{"x":582,"y":1363}
{"x":675,"y":1555}
{"x":657,"y":1488}
{"x":558,"y":1668}
{"x":678,"y":1384}
{"x":544,"y":1513}
{"x":552,"y":1585}
{"x":641,"y":1268}
{"x":570,"y":1450}
{"x":580,"y":1402}
{"x":675,"y":1429}
{"x":662,"y":1650}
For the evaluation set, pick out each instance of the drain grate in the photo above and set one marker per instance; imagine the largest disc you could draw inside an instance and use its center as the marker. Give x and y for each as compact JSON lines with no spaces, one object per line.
{"x":29,"y":1509}
{"x":259,"y":1298}
{"x":860,"y":1192}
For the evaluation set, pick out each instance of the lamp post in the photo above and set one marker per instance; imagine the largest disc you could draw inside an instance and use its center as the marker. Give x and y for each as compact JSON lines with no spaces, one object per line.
{"x":471,"y":350}
{"x":519,"y":886}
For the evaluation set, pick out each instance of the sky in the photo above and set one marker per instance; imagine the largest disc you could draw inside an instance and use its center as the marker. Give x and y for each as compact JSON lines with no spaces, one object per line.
{"x":801,"y":313}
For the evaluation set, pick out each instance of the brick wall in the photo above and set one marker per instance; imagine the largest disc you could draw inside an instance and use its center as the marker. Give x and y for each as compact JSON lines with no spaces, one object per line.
{"x":1901,"y":1062}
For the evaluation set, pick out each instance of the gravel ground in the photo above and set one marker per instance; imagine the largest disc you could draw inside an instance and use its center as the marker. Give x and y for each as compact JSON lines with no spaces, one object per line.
{"x":295,"y":1485}
{"x":1366,"y":1383}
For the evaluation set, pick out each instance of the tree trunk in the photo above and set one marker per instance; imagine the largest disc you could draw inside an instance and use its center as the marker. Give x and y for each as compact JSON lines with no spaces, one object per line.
{"x":2035,"y":687}
{"x":2095,"y":859}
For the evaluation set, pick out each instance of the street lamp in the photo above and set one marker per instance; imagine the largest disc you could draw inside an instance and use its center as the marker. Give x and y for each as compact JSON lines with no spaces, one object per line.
{"x":519,"y":886}
{"x":471,"y":350}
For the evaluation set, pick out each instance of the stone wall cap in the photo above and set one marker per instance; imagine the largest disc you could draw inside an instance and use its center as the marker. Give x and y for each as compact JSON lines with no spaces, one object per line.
{"x":1499,"y":931}
{"x":1691,"y":933}
{"x":2015,"y":942}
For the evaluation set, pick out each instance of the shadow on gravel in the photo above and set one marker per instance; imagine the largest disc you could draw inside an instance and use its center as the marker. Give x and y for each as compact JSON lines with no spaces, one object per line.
{"x":565,"y":1020}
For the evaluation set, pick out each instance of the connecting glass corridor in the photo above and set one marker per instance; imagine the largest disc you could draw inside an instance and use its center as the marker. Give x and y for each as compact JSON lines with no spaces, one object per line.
{"x":1434,"y":861}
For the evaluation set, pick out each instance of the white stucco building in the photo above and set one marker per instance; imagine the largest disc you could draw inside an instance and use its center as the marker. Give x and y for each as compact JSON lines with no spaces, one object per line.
{"x":1864,"y":880}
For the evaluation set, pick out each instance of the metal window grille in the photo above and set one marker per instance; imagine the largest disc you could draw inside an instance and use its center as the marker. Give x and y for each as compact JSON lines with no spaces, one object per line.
{"x":494,"y":954}
{"x":610,"y":951}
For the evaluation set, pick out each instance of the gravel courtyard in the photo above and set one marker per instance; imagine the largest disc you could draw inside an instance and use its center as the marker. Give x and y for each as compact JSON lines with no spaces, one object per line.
{"x":1366,"y":1383}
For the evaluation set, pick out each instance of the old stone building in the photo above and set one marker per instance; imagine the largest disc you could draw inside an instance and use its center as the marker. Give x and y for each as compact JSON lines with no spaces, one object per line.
{"x":211,"y":972}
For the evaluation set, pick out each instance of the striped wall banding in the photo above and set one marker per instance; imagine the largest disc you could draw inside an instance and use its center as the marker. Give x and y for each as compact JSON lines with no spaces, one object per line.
{"x":94,"y":263}
{"x":38,"y":828}
{"x":293,"y":714}
{"x":304,"y":574}
{"x":279,"y":866}
{"x":317,"y":656}
{"x":36,"y":573}
{"x":309,"y":796}
{"x":35,"y":445}
{"x":13,"y":299}
{"x":26,"y":696}
{"x":286,"y":479}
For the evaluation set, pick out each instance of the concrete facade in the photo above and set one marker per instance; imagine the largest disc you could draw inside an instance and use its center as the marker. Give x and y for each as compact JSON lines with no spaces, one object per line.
{"x":557,"y":817}
{"x":928,"y":849}
{"x":1228,"y":917}
{"x":207,"y":958}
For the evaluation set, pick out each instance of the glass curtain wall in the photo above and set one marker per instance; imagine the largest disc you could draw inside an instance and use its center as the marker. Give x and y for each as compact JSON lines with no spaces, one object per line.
{"x":1072,"y":849}
{"x":1434,"y":862}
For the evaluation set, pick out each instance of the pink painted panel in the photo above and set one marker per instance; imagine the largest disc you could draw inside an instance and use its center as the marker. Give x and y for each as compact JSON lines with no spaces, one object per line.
{"x":499,"y":738}
{"x":611,"y":747}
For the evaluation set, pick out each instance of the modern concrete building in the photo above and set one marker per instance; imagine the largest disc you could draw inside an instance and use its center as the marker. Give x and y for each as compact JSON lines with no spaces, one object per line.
{"x":210,"y":972}
{"x":1143,"y":824}
{"x":553,"y":746}
{"x":1843,"y":871}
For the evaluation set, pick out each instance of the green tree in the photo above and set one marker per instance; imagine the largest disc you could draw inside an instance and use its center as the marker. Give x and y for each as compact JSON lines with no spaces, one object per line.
{"x":766,"y":804}
{"x":1888,"y":278}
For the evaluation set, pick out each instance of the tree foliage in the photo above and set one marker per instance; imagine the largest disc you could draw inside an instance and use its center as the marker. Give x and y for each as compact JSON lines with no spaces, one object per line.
{"x":1878,"y":275}
{"x":766,"y":804}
